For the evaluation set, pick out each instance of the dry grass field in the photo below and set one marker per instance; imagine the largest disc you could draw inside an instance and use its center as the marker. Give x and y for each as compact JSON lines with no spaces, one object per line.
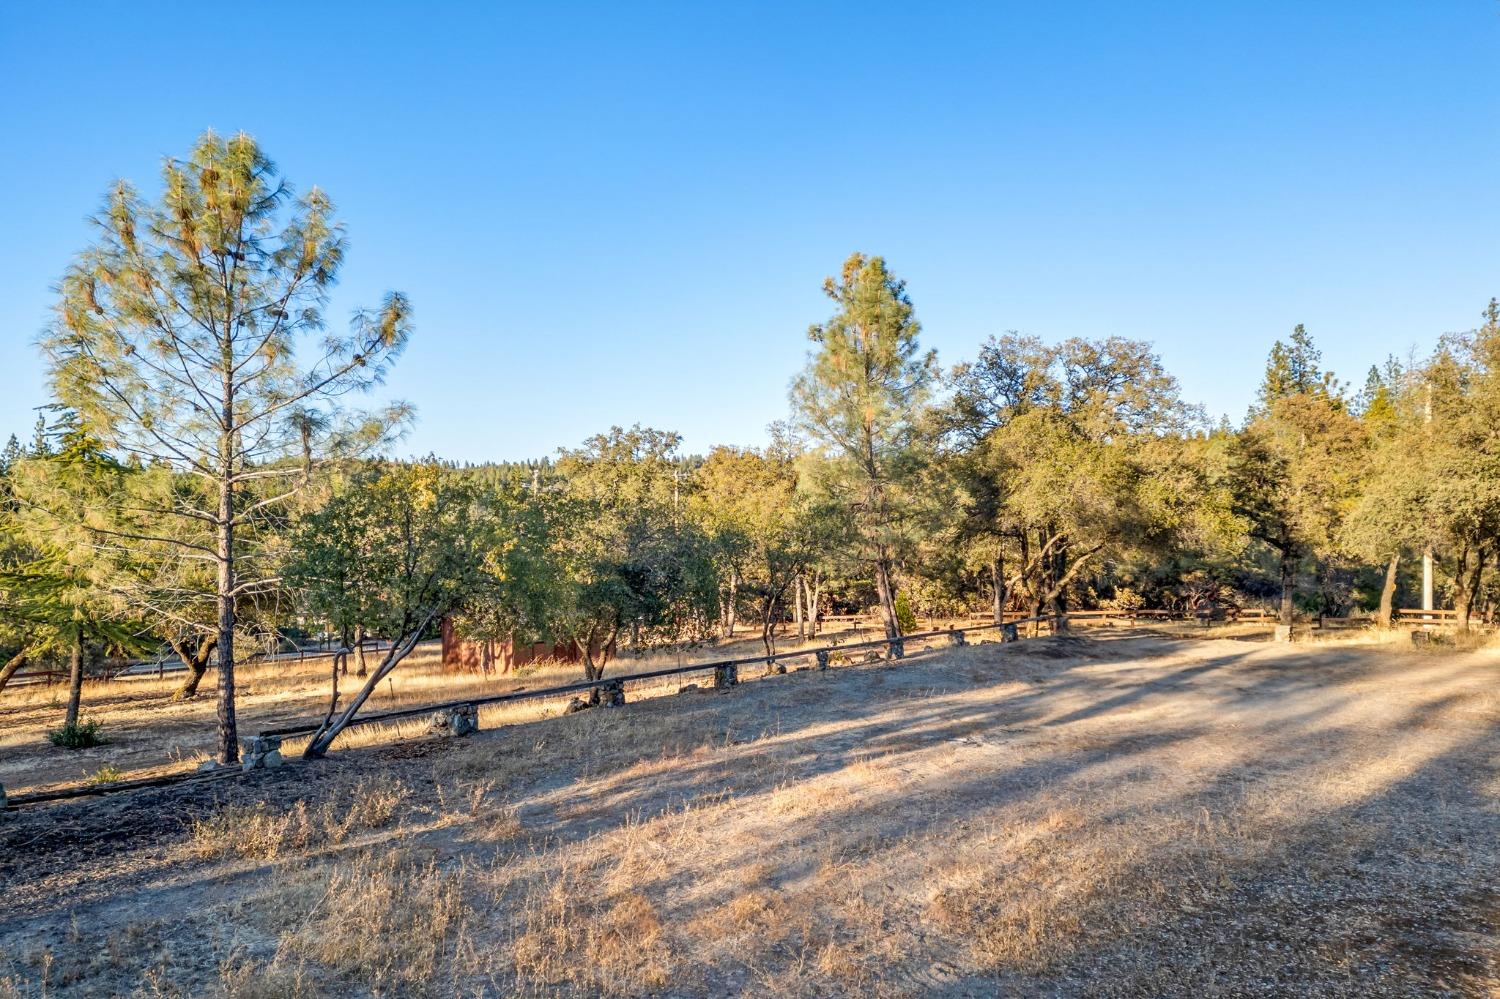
{"x":149,"y":732}
{"x":1126,"y":813}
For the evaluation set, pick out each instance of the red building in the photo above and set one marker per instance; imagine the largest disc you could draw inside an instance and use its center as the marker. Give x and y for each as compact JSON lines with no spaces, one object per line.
{"x":461,"y":655}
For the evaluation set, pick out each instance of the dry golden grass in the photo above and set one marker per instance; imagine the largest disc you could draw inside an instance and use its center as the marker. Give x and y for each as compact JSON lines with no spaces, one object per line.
{"x":590,"y":939}
{"x":151,"y":732}
{"x":1131,"y":815}
{"x":258,"y":832}
{"x":379,"y":919}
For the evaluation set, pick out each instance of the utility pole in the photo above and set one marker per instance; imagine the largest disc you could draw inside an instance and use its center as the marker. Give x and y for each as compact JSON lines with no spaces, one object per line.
{"x":1427,"y":552}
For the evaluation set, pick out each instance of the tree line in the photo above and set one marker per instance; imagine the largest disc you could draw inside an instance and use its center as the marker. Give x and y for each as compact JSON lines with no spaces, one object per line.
{"x":203,"y":482}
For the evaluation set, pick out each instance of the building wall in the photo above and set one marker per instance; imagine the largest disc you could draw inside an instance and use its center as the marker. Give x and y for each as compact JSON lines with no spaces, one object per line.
{"x":460,"y":655}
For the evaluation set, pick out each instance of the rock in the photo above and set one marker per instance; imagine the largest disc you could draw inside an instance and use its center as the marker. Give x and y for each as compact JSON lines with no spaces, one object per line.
{"x":454,"y":722}
{"x":258,"y":749}
{"x":466,"y":719}
{"x":576,"y":705}
{"x":687,"y":689}
{"x":208,"y":766}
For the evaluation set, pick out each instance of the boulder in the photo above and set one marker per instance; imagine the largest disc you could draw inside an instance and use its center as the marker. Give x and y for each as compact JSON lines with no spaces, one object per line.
{"x":454,"y":722}
{"x":261,"y":752}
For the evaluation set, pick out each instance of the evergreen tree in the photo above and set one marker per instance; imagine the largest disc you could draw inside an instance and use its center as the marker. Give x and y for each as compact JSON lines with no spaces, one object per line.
{"x":1293,"y":471}
{"x":859,"y":400}
{"x":179,"y":339}
{"x":10,"y":455}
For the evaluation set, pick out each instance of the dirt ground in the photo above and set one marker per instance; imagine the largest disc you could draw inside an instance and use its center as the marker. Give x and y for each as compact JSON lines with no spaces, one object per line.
{"x":1119,"y":814}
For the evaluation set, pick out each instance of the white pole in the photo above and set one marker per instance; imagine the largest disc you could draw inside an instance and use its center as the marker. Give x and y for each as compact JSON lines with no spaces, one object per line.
{"x":1427,"y":580}
{"x":1427,"y":554}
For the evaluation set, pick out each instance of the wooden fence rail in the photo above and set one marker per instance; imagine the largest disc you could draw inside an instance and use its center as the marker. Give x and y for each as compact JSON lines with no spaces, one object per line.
{"x":823,"y":653}
{"x":725,"y":673}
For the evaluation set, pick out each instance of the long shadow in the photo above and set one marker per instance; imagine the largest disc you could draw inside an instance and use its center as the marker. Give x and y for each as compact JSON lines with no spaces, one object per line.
{"x":807,"y":751}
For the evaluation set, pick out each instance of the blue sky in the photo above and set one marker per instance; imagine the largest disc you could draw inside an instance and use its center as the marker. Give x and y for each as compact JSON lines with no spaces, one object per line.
{"x":623,"y":213}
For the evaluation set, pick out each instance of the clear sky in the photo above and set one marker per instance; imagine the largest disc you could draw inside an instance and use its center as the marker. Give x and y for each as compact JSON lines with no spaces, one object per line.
{"x":623,"y":212}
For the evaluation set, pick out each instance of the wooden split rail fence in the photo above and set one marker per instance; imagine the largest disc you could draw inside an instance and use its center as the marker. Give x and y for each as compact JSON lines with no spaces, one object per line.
{"x":725,"y":673}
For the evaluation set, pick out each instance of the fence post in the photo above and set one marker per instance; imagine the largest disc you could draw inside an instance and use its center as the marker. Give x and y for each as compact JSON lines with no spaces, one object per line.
{"x":456,"y":721}
{"x":822,"y":656}
{"x":613,"y":693}
{"x":262,"y":751}
{"x":726,"y":676}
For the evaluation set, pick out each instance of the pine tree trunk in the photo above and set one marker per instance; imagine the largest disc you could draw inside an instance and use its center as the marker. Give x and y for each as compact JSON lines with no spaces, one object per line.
{"x":884,"y":591}
{"x":814,"y":591}
{"x":1388,"y":592}
{"x":75,"y":678}
{"x":997,"y":578}
{"x":229,"y":748}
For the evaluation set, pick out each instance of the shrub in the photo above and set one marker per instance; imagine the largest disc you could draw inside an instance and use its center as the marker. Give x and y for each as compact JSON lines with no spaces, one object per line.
{"x":906,"y":618}
{"x":107,"y":774}
{"x":79,"y":735}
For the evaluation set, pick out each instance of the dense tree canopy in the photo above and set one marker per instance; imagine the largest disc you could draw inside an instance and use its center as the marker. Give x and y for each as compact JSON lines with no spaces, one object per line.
{"x":202,"y":487}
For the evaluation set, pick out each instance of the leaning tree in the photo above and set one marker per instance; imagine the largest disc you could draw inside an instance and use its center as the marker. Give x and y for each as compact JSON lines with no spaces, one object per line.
{"x":397,"y":548}
{"x":191,"y":336}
